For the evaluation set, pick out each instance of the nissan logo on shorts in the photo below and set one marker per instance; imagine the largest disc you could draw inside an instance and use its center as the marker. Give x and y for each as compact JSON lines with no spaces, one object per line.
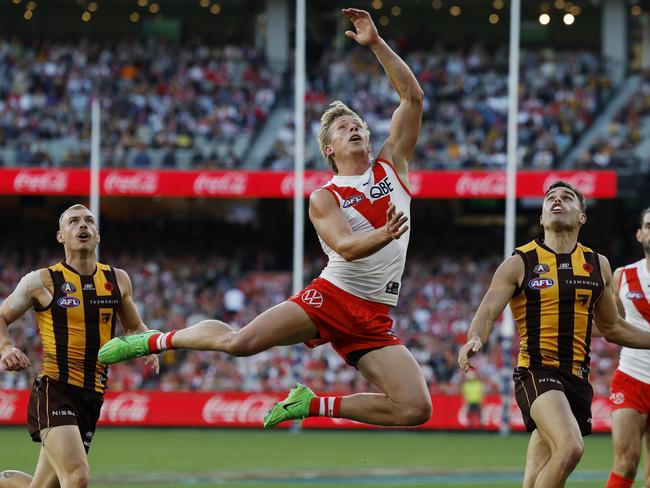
{"x":312,"y":297}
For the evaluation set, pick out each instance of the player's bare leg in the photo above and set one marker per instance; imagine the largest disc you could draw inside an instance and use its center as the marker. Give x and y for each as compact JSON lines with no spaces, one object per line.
{"x":560,"y":431}
{"x":405,"y":399}
{"x":647,"y":456}
{"x":628,"y":427}
{"x":537,"y":457}
{"x":66,"y":454}
{"x":284,"y":324}
{"x":281,"y":325}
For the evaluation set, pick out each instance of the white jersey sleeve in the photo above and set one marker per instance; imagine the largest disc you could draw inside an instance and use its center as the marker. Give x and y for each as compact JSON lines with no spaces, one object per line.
{"x":364,"y":200}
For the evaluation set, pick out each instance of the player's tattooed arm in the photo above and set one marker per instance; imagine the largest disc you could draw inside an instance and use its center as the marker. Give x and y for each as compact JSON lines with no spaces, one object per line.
{"x":29,"y":291}
{"x":505,"y":282}
{"x":407,"y":119}
{"x":608,"y":320}
{"x":334,"y":229}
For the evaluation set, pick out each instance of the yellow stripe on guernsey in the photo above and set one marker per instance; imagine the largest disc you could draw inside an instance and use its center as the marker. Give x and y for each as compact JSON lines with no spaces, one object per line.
{"x":106,"y":320}
{"x":583,"y":300}
{"x":518,"y":308}
{"x":549,"y":305}
{"x":76,"y":331}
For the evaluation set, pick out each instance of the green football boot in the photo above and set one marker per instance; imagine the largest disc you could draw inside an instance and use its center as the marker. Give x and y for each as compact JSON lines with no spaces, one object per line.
{"x":126,"y":347}
{"x":294,"y":407}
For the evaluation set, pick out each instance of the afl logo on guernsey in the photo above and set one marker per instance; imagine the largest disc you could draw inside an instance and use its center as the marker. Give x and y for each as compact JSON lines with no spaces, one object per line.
{"x":634,"y":295}
{"x":540,"y":283}
{"x":312,"y":297}
{"x":353,"y":200}
{"x":68,"y":302}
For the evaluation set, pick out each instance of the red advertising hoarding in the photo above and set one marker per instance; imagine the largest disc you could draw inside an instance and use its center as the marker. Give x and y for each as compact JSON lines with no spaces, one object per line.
{"x":280,"y":184}
{"x":235,"y":409}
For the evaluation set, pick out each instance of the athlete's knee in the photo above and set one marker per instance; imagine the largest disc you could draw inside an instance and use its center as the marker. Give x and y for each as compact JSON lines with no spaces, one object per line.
{"x":79,"y":477}
{"x":242,"y":345}
{"x":626,"y":463}
{"x":417,"y":411}
{"x":570,"y":455}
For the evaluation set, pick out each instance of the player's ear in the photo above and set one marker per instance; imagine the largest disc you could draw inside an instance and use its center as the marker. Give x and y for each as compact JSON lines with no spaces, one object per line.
{"x":59,"y":236}
{"x":639,"y":236}
{"x":99,"y":237}
{"x":582,"y":218}
{"x":329,"y":150}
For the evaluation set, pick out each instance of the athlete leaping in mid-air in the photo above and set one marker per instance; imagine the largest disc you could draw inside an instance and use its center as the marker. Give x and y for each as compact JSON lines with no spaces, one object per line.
{"x":360,"y":216}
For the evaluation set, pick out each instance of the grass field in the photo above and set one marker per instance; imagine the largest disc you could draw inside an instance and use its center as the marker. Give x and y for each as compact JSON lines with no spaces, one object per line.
{"x":176,"y":458}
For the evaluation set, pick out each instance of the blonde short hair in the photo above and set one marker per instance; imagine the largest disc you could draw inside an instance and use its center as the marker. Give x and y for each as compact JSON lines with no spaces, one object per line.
{"x":336,"y":109}
{"x":76,"y":206}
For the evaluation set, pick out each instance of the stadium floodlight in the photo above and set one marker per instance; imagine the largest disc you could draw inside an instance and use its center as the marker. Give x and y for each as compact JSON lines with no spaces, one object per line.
{"x":569,"y":19}
{"x":544,"y":19}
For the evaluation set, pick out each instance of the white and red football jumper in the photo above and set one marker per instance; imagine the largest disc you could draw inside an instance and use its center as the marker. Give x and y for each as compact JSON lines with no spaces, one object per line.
{"x":364,"y":200}
{"x":634,"y":293}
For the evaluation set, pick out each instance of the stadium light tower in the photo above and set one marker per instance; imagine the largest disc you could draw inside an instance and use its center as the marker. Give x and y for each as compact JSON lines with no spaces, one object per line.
{"x":507,"y":327}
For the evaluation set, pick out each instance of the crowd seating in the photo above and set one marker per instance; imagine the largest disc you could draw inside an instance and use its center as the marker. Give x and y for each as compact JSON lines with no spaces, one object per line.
{"x":439,"y":296}
{"x":194,"y":105}
{"x":626,"y":140}
{"x":162,"y":104}
{"x":464,"y":123}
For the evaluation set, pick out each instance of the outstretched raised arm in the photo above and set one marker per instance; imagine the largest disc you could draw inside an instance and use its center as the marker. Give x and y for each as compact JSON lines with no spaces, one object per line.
{"x":407,"y":119}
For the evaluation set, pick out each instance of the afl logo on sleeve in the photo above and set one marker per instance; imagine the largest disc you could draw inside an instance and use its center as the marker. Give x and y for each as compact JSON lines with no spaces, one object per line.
{"x":540,"y":283}
{"x":312,"y":297}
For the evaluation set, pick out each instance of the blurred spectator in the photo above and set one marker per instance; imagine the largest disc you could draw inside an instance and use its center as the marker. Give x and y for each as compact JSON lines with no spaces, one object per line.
{"x":472,"y":391}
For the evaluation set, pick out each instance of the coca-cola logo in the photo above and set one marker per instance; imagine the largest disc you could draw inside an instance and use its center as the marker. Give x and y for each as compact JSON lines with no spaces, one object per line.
{"x":125,"y":407}
{"x":8,"y":404}
{"x":481,"y":185}
{"x":45,"y":182}
{"x":229,"y":183}
{"x":584,"y":182}
{"x":138,"y":183}
{"x":250,"y":410}
{"x":313,"y":181}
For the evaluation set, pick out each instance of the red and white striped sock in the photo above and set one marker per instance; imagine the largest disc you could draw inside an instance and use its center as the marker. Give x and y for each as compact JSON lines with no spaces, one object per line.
{"x":617,"y":481}
{"x":161,"y":342}
{"x":325,"y":407}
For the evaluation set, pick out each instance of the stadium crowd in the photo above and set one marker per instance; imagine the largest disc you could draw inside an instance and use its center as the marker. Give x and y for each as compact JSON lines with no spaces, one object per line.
{"x":464,"y":124}
{"x":438,"y":298}
{"x":194,"y":105}
{"x":170,"y":105}
{"x":626,"y":140}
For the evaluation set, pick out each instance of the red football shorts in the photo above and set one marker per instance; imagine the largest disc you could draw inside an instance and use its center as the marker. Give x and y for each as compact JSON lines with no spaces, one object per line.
{"x":628,"y":392}
{"x":353,"y":325}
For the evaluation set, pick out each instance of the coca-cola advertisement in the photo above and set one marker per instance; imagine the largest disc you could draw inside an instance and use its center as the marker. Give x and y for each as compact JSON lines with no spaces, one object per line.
{"x":281,"y":184}
{"x":236,"y":409}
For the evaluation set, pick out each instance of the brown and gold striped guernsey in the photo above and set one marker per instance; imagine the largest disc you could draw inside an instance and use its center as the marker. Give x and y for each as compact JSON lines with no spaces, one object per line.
{"x":80,"y":319}
{"x":554,"y":307}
